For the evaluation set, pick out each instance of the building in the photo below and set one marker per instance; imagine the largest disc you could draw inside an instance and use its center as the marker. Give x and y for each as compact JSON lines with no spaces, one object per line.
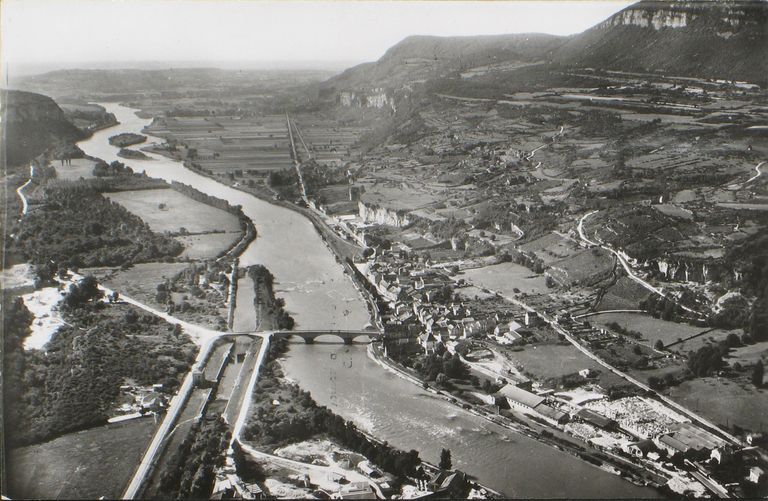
{"x":519,"y":399}
{"x":357,"y":490}
{"x":591,"y":417}
{"x":366,"y":468}
{"x":448,"y":484}
{"x":687,"y":438}
{"x":640,"y":449}
{"x":756,"y":474}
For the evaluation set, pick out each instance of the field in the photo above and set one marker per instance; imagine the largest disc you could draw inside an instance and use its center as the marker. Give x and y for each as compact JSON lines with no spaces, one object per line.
{"x":85,"y":465}
{"x":81,"y":167}
{"x":328,"y":142}
{"x":179,"y":211}
{"x":139,"y":281}
{"x":206,"y":246}
{"x":725,"y":402}
{"x":505,"y":277}
{"x":587,"y":266}
{"x":545,"y":361}
{"x":551,"y":247}
{"x":625,"y":294}
{"x":225,"y":143}
{"x":652,"y":329}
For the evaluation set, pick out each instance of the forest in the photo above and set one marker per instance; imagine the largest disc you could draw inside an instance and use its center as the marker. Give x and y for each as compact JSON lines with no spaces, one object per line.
{"x":75,"y":381}
{"x":78,"y":227}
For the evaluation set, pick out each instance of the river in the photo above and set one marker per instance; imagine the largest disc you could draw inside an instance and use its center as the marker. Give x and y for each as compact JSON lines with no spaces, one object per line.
{"x":319,"y":295}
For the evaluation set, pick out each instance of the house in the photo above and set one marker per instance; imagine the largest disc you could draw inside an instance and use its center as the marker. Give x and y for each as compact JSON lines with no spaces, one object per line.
{"x":357,"y":490}
{"x":366,"y":468}
{"x":532,"y":319}
{"x":756,"y":474}
{"x":640,"y":449}
{"x":587,"y":373}
{"x":591,"y":417}
{"x":428,"y":341}
{"x":448,"y":484}
{"x":722,"y":455}
{"x":518,"y":398}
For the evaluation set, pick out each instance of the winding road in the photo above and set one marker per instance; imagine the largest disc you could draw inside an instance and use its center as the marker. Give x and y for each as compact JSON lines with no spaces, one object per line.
{"x":20,"y":189}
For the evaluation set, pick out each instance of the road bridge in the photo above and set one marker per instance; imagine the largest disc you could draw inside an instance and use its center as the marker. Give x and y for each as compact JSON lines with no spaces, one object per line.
{"x":309,"y":336}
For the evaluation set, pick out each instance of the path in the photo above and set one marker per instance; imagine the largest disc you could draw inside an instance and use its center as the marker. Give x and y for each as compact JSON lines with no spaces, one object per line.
{"x":625,"y":264}
{"x":24,"y":203}
{"x":759,"y":173}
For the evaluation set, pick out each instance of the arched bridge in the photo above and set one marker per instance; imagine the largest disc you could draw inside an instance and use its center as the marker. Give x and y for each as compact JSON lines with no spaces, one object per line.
{"x":309,"y":336}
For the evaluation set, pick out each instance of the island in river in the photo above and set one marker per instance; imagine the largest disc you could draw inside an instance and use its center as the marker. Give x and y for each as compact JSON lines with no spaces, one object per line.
{"x":126,"y":139}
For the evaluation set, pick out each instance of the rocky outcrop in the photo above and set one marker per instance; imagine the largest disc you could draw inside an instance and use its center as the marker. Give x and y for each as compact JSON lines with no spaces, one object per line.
{"x":373,"y":214}
{"x":689,"y":270}
{"x":32,"y":124}
{"x":373,"y":98}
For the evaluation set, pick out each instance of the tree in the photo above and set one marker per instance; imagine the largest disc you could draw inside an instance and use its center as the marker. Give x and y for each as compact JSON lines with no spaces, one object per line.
{"x":757,"y":374}
{"x":445,"y":459}
{"x":659,"y":345}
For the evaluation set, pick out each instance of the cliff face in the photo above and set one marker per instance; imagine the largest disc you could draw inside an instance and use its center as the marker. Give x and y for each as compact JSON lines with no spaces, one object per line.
{"x":705,"y":38}
{"x":32,"y":123}
{"x":381,"y":215}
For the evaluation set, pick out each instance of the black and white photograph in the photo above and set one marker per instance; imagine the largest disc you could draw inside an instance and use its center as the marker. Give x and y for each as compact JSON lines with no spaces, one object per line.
{"x":353,"y":249}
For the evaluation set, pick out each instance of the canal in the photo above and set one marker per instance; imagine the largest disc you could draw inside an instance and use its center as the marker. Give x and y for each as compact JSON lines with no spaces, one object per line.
{"x":319,"y":295}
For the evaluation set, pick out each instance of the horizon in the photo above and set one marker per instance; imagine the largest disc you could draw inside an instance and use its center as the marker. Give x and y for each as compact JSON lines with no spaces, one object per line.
{"x":46,"y":35}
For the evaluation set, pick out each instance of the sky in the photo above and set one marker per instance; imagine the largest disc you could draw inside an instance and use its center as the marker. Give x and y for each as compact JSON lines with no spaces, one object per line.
{"x":113,"y":33}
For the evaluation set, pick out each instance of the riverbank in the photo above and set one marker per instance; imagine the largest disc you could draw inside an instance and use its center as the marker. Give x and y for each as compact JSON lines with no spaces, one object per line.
{"x":609,"y":463}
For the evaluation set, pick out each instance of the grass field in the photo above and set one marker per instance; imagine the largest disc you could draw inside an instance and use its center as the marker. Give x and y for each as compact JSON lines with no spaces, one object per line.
{"x":83,"y":465}
{"x":207,"y":246}
{"x":625,"y":294}
{"x":651,"y":328}
{"x":139,"y":281}
{"x":725,"y":402}
{"x":179,"y":211}
{"x":586,"y":266}
{"x":551,"y":247}
{"x":81,"y":167}
{"x":554,"y":360}
{"x":505,"y":277}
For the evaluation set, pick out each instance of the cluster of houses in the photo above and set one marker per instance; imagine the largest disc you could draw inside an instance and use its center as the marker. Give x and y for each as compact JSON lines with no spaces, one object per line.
{"x":424,"y":311}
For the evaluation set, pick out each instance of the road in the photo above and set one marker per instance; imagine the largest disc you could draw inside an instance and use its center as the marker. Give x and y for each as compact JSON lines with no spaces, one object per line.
{"x":174,"y":408}
{"x":24,"y":204}
{"x":625,"y":264}
{"x":759,"y":173}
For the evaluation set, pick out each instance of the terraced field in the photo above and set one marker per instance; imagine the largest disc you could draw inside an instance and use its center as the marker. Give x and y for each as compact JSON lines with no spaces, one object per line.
{"x":329,"y":142}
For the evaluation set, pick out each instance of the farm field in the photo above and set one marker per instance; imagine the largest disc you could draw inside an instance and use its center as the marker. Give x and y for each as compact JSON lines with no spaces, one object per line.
{"x":625,"y":294}
{"x":226,"y":143}
{"x":551,"y":247}
{"x":179,"y":211}
{"x":329,"y":142}
{"x":588,"y":265}
{"x":545,"y":361}
{"x":505,"y":277}
{"x":725,"y":402}
{"x":81,"y":167}
{"x":208,"y":245}
{"x":88,"y":464}
{"x":139,"y":281}
{"x":652,"y":329}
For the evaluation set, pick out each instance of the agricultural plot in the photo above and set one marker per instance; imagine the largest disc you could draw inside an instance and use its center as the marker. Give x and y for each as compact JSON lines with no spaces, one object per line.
{"x":587,"y":266}
{"x":80,"y":167}
{"x":506,"y":277}
{"x":140,"y":281}
{"x":89,"y":464}
{"x":625,"y":294}
{"x":724,"y":401}
{"x":551,"y":247}
{"x":652,"y":329}
{"x":167,"y":210}
{"x":227,"y":144}
{"x":328,"y":142}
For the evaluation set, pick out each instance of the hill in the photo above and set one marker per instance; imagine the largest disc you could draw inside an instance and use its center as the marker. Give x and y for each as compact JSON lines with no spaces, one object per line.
{"x":418,"y":58}
{"x":720,"y":39}
{"x":32,"y":123}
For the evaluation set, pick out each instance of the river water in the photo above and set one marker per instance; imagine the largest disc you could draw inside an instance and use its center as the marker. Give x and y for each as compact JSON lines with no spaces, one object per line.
{"x":319,"y":295}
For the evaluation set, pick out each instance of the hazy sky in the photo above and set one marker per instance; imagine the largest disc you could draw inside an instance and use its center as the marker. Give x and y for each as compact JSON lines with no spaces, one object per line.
{"x":67,"y":32}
